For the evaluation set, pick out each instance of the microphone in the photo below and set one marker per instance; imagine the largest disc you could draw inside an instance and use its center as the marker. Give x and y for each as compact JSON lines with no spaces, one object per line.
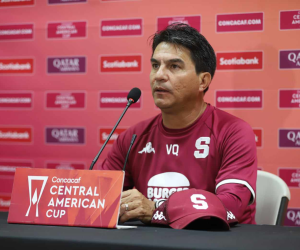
{"x":132,"y":97}
{"x":131,"y":143}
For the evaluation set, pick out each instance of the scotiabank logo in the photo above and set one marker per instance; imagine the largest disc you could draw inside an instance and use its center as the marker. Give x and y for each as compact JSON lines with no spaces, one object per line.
{"x":15,"y":135}
{"x":193,"y":21}
{"x":65,"y":100}
{"x":289,"y":138}
{"x":16,"y":66}
{"x":258,"y":137}
{"x":289,"y":59}
{"x":35,"y":193}
{"x":291,"y":176}
{"x":4,"y":203}
{"x":16,"y":32}
{"x":161,"y":186}
{"x":289,"y":98}
{"x":292,"y":218}
{"x":104,"y":133}
{"x":67,"y":30}
{"x":239,"y":99}
{"x":126,"y":27}
{"x":12,"y":3}
{"x":8,"y":168}
{"x":15,"y":100}
{"x":240,"y":22}
{"x":63,"y":65}
{"x":65,"y":165}
{"x":65,"y":135}
{"x":66,"y":1}
{"x":116,"y":100}
{"x":240,"y":60}
{"x":121,"y":64}
{"x":290,"y":20}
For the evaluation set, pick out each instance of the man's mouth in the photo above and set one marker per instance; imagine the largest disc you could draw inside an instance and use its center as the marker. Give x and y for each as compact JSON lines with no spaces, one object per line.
{"x":161,"y":90}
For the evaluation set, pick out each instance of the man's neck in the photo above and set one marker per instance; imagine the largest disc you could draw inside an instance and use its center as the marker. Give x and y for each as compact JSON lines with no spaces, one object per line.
{"x":182,"y":118}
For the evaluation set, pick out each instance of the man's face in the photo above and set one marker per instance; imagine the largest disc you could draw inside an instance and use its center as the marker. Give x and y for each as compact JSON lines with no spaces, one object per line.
{"x":173,"y":77}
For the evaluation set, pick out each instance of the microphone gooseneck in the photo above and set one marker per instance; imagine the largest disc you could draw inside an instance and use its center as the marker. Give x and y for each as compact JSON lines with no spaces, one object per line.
{"x":131,"y":143}
{"x":132,"y":97}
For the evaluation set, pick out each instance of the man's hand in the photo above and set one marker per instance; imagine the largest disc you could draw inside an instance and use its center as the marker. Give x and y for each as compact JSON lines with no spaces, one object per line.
{"x":138,"y":207}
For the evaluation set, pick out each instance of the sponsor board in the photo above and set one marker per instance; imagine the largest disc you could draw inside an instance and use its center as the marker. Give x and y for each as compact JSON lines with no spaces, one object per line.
{"x":248,"y":60}
{"x":247,"y":99}
{"x":65,"y":1}
{"x":16,"y":32}
{"x":68,"y":29}
{"x":289,"y":98}
{"x":291,"y":176}
{"x":289,"y":20}
{"x":292,"y":218}
{"x":65,"y":100}
{"x":116,"y":99}
{"x":16,"y":66}
{"x":258,"y":137}
{"x":16,"y":3}
{"x":289,"y":138}
{"x":15,"y":134}
{"x":66,"y":197}
{"x":121,"y":64}
{"x":193,"y":21}
{"x":121,"y":27}
{"x":4,"y":203}
{"x":66,"y":65}
{"x":6,"y":184}
{"x":289,"y":59}
{"x":65,"y":135}
{"x":240,"y":22}
{"x":104,"y":133}
{"x":16,"y":100}
{"x":8,"y":167}
{"x":65,"y":165}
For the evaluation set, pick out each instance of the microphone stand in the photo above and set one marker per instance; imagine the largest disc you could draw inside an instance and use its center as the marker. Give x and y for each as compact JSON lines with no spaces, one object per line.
{"x":130,"y":101}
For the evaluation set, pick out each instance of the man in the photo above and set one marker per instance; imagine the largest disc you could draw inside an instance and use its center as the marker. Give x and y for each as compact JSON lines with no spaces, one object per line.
{"x":191,"y":144}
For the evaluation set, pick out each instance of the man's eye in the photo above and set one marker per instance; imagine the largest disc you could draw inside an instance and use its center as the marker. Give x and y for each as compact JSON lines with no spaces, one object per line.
{"x":155,"y":66}
{"x":174,"y":66}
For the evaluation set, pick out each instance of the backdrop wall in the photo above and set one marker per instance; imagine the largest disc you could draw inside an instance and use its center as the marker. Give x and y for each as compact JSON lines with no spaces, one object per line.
{"x":66,"y":67}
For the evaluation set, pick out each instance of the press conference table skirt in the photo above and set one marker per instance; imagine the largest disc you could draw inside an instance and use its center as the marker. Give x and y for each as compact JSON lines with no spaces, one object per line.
{"x":21,"y":236}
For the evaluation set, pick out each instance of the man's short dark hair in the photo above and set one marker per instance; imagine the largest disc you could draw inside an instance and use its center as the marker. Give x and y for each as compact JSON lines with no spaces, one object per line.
{"x":202,"y":53}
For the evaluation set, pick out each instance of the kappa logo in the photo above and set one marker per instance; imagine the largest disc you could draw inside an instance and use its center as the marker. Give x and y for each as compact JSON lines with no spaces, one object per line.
{"x":35,"y":198}
{"x":159,"y":216}
{"x":147,"y":149}
{"x":230,"y":216}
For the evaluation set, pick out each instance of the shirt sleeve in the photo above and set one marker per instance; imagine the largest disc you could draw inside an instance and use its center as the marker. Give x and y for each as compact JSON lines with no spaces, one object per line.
{"x":116,"y":158}
{"x":238,"y":166}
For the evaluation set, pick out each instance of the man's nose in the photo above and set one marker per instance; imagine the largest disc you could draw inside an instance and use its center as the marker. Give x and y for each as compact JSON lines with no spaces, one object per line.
{"x":161,"y":74}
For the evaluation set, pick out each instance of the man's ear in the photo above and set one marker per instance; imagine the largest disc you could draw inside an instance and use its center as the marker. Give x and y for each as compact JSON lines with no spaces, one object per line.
{"x":204,"y":81}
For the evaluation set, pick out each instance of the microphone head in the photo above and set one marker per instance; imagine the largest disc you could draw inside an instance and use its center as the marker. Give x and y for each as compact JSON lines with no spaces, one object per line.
{"x":134,"y":94}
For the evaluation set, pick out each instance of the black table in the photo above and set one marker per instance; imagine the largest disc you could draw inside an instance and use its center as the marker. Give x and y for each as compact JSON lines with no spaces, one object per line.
{"x":21,"y":236}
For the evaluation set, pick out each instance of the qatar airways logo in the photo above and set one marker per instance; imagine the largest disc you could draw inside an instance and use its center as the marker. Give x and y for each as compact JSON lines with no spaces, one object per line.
{"x":65,"y":135}
{"x":16,"y":32}
{"x":290,"y":20}
{"x":121,"y":64}
{"x":16,"y":66}
{"x":289,"y":138}
{"x":240,"y":60}
{"x":66,"y":1}
{"x":292,"y":217}
{"x":240,"y":22}
{"x":61,"y":65}
{"x":193,"y":21}
{"x":35,"y":195}
{"x":289,"y":59}
{"x":16,"y":3}
{"x":121,"y":27}
{"x":161,"y":186}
